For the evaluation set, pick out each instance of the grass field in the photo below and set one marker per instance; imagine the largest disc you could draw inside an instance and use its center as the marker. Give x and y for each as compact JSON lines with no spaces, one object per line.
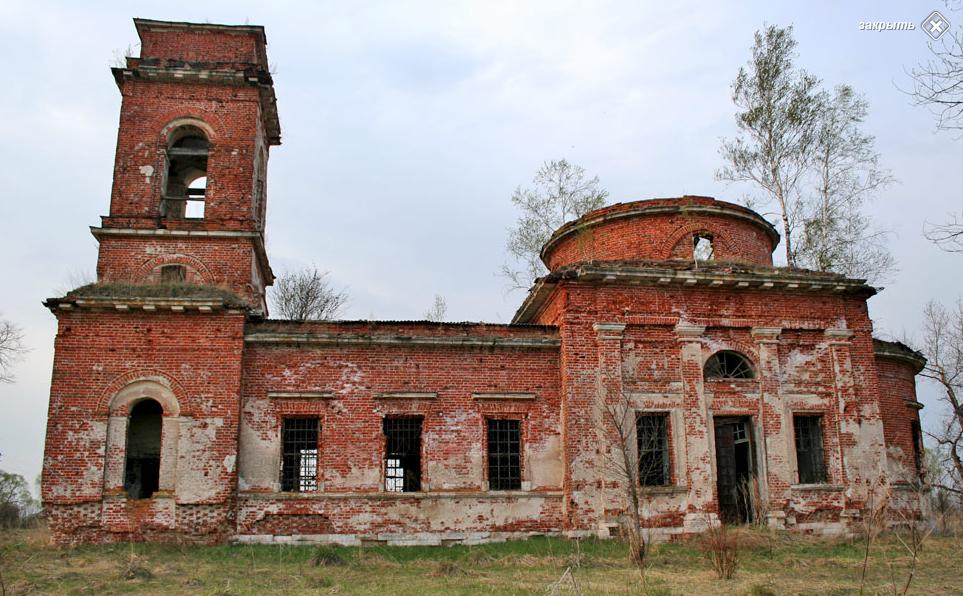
{"x":777,"y":563}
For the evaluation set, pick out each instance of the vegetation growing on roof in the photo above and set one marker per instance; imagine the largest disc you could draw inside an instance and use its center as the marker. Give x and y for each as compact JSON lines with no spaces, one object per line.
{"x":168,"y":291}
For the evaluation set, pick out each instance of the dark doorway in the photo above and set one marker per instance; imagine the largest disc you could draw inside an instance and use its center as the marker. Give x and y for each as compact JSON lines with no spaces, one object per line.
{"x":142,"y":467}
{"x":736,"y":469}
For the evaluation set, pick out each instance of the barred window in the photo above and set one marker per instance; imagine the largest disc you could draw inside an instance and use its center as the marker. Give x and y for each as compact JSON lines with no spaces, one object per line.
{"x":299,"y":454}
{"x":504,"y":455}
{"x":652,"y":434}
{"x":402,"y":454}
{"x":809,"y":449}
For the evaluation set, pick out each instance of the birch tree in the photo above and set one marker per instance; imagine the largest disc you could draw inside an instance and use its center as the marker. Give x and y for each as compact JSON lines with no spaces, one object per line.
{"x":836,"y":234}
{"x":438,"y":310}
{"x":561,"y":192}
{"x":779,"y":106}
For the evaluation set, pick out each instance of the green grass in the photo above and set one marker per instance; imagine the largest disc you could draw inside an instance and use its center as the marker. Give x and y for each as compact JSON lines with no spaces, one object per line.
{"x":777,"y":563}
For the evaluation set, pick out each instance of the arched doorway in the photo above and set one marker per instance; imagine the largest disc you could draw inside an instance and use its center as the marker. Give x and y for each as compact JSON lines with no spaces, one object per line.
{"x":142,"y":465}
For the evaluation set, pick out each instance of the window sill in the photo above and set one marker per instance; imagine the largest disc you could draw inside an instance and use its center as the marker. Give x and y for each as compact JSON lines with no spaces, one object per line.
{"x":663,"y":490}
{"x":827,"y":488}
{"x":379,"y":495}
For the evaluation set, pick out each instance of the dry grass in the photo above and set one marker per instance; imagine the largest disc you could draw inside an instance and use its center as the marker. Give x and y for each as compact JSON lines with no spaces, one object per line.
{"x":779,"y":563}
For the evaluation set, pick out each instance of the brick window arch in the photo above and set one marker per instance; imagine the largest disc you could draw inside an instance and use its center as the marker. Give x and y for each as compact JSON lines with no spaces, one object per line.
{"x":195,"y":271}
{"x":141,"y":451}
{"x":728,"y":364}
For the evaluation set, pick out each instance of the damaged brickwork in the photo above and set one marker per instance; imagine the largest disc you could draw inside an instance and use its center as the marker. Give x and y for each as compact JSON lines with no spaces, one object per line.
{"x":180,"y":412}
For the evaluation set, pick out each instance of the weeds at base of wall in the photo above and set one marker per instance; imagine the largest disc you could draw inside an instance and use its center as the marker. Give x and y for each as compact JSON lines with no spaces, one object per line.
{"x":135,"y":567}
{"x":720,"y":544}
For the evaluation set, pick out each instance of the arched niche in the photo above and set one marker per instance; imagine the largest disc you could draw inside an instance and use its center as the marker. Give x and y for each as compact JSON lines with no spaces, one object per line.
{"x":131,"y":428}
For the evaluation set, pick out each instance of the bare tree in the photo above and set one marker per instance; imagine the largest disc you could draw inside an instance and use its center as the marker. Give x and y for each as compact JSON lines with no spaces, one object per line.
{"x":779,"y":107}
{"x":948,"y":235}
{"x":619,"y":422}
{"x":438,"y":310}
{"x":12,"y":349}
{"x":938,"y":85}
{"x":938,"y":82}
{"x":561,"y":193}
{"x":836,"y":233}
{"x":307,"y":295}
{"x":943,"y":349}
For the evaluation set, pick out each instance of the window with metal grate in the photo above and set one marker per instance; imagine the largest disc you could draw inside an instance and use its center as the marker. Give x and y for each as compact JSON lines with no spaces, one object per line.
{"x":402,"y":454}
{"x":504,"y":455}
{"x":652,"y":434}
{"x":299,"y":454}
{"x":809,"y":449}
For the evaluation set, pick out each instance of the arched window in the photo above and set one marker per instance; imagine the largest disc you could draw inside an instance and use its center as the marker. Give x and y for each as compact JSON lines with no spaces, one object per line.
{"x":142,"y":465}
{"x":186,"y":184}
{"x":727,"y":365}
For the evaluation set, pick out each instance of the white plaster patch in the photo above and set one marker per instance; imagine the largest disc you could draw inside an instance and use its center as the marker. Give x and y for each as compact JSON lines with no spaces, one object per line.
{"x":147,"y":172}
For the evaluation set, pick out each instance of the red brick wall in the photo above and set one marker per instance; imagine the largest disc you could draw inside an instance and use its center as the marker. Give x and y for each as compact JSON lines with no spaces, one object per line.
{"x":897,"y":383}
{"x":232,"y":118}
{"x":662,"y":234}
{"x":453,"y":431}
{"x":200,"y":45}
{"x":651,"y":366}
{"x":226,"y":262}
{"x":96,"y":355}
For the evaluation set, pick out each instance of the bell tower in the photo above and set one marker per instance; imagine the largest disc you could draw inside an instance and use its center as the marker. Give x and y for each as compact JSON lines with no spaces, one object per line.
{"x":197,"y":121}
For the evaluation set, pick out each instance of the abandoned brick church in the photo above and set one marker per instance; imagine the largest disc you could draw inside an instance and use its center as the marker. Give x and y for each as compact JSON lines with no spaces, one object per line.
{"x":180,"y":411}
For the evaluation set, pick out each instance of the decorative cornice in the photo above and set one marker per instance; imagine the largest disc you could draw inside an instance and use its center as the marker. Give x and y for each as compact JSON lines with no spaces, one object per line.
{"x":913,"y":404}
{"x":766,"y":334}
{"x":336,"y":339}
{"x":898,"y":351}
{"x":146,"y":305}
{"x":609,"y":330}
{"x":98,"y":232}
{"x":761,"y":279}
{"x":255,"y":237}
{"x":839,"y":337}
{"x":687,"y":332}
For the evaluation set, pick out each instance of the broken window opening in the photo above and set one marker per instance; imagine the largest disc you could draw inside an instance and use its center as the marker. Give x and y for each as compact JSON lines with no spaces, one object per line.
{"x":504,"y":455}
{"x":727,"y":365}
{"x":702,"y":249}
{"x":918,"y":448}
{"x":195,"y":208}
{"x":652,"y":436}
{"x":299,"y":459}
{"x":173,"y":274}
{"x":809,"y":449}
{"x":142,"y":462}
{"x":186,"y":184}
{"x":402,"y":454}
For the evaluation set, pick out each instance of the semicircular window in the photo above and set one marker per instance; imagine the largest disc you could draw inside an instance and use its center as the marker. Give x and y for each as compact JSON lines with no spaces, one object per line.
{"x":727,"y":365}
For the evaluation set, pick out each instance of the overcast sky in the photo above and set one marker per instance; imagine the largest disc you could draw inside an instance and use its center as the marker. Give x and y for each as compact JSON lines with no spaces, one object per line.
{"x":407,"y":125}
